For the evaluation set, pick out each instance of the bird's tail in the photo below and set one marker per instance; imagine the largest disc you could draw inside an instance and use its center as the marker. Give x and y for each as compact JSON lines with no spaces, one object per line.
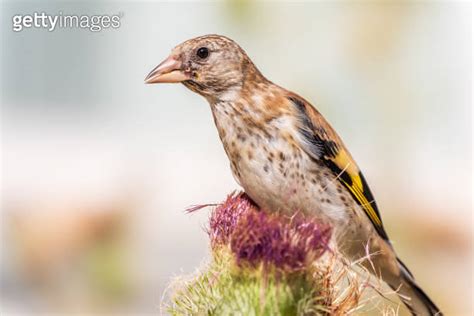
{"x":413,"y":296}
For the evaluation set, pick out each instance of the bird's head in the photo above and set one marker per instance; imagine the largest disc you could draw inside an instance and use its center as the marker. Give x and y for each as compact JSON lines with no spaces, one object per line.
{"x":211,"y":65}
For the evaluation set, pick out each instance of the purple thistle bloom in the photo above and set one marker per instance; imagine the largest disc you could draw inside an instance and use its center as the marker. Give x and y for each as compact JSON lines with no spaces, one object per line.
{"x":256,"y":237}
{"x":225,"y":217}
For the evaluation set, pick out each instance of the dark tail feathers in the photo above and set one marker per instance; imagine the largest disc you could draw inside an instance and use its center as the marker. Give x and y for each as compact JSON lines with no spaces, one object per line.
{"x":413,"y":296}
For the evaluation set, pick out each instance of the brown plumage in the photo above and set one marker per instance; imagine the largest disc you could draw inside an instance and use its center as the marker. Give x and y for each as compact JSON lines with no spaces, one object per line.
{"x":286,"y":156}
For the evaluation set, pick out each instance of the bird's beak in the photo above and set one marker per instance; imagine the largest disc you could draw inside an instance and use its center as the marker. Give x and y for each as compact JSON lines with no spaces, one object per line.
{"x":168,"y":71}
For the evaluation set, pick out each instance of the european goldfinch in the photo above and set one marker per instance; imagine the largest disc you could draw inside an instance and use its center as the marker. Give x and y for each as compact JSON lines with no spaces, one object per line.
{"x":287,"y":157}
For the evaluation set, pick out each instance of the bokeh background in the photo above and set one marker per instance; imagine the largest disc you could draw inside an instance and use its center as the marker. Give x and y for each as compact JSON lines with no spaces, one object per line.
{"x":98,"y":168}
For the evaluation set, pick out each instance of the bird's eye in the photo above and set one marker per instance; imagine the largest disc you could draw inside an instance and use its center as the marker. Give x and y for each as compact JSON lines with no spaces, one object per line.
{"x":202,"y":52}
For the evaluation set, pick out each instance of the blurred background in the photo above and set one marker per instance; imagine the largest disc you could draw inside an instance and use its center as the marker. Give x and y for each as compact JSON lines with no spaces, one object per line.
{"x":98,"y":168}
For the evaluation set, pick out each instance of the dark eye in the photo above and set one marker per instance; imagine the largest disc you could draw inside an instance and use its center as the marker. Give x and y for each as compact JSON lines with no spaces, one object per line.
{"x":202,"y":52}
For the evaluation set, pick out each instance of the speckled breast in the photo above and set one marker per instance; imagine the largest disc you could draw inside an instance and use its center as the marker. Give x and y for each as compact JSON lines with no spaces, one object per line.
{"x":276,"y":173}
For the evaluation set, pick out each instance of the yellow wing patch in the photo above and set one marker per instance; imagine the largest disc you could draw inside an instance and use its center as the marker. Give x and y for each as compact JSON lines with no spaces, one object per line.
{"x":364,"y":203}
{"x":346,"y":164}
{"x":352,"y":178}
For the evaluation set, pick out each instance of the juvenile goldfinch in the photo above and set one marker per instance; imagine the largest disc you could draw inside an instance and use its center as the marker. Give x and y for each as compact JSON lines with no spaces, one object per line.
{"x":286,"y":156}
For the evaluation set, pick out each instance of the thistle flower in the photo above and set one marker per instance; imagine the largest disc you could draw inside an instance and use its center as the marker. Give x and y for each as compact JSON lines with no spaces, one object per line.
{"x":256,"y":237}
{"x":226,"y":216}
{"x":267,"y":264}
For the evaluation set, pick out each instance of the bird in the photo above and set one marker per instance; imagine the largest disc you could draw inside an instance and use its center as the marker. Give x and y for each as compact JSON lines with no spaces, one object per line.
{"x":287,"y":157}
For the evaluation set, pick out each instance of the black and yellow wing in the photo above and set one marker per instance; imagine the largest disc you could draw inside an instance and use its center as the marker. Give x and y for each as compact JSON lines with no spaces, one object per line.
{"x":322,"y":143}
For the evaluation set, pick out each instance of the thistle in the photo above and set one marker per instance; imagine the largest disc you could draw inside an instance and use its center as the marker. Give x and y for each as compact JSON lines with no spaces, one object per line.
{"x":267,"y":264}
{"x":255,"y":237}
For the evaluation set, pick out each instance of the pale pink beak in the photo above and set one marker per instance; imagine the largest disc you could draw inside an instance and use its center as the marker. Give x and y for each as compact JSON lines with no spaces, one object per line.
{"x":168,"y":71}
